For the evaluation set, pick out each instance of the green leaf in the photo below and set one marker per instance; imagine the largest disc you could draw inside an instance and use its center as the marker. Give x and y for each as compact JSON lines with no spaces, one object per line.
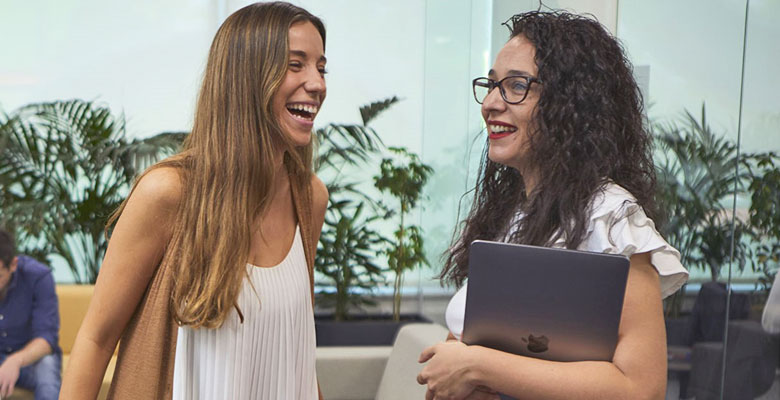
{"x":67,"y":166}
{"x":373,"y":110}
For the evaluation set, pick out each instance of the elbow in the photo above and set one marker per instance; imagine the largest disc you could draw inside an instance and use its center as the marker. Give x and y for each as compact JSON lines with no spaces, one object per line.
{"x":103,"y":341}
{"x":639,"y":383}
{"x":660,"y":392}
{"x":655,"y":394}
{"x":654,"y":390}
{"x":102,"y":344}
{"x":45,"y":342}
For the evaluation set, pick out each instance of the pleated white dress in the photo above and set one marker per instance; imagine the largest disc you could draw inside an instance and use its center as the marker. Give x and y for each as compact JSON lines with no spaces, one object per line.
{"x":271,"y":355}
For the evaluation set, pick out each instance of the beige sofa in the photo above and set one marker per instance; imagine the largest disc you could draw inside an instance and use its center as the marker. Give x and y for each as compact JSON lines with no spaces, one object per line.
{"x":381,"y":373}
{"x":344,"y":373}
{"x":73,"y":303}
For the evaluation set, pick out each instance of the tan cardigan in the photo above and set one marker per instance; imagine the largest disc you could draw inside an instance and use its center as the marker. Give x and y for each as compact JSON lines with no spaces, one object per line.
{"x":147,"y":348}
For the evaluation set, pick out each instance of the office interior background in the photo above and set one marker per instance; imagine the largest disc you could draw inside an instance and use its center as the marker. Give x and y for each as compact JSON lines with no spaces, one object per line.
{"x":144,"y":60}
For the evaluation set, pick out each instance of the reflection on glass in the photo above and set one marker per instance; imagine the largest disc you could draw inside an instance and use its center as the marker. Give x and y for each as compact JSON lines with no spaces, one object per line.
{"x":753,"y":345}
{"x":716,"y":213}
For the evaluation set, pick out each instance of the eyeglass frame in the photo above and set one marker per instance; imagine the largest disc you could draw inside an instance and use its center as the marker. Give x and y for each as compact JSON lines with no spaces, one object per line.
{"x":492,"y":84}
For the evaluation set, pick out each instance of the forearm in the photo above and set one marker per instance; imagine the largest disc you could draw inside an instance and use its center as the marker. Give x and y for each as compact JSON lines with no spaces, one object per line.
{"x":530,"y":378}
{"x":86,"y":368}
{"x":31,"y":353}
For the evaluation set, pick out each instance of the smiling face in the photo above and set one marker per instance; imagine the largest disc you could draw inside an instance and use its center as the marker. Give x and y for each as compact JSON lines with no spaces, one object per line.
{"x":508,"y":124}
{"x":299,"y":97}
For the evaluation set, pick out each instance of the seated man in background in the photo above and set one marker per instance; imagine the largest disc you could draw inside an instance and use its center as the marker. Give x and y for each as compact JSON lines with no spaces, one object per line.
{"x":29,"y":325}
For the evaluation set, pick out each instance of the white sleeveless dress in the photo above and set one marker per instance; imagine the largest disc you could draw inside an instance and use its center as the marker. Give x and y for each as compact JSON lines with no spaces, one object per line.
{"x":271,"y":355}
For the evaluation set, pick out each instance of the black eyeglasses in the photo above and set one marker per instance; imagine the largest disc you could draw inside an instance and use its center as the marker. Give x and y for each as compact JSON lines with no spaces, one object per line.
{"x":514,"y":89}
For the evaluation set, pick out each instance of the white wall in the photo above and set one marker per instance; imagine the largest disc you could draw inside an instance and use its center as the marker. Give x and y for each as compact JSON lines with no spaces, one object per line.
{"x":145,"y":59}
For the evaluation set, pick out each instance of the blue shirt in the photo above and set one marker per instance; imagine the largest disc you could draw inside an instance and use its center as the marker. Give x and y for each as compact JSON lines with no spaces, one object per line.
{"x":29,"y":309}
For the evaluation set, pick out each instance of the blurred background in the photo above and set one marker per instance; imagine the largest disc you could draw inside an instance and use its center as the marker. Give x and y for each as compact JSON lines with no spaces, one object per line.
{"x":400,"y":72}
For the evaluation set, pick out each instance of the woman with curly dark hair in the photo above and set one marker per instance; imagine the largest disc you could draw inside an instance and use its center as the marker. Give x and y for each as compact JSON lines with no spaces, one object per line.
{"x":568,"y":165}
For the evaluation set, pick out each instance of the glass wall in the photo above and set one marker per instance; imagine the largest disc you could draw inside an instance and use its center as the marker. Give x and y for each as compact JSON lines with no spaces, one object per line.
{"x":751,"y":357}
{"x":142,"y":60}
{"x":712,"y":107}
{"x":709,"y":81}
{"x":145,"y":61}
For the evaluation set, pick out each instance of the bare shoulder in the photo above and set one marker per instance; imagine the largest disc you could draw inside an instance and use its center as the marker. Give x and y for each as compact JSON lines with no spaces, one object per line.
{"x":319,"y":195}
{"x":150,"y":212}
{"x":136,"y":247}
{"x":159,"y":188}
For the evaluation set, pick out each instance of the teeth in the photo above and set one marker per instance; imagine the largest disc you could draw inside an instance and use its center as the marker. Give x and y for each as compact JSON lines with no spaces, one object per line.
{"x":501,"y":128}
{"x":303,"y":107}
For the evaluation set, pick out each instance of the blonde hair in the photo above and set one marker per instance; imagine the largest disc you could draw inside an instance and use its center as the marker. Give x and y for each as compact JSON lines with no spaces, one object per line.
{"x":226,"y":163}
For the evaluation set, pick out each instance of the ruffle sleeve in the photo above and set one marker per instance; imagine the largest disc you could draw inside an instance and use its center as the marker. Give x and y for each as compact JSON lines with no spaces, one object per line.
{"x":619,"y":226}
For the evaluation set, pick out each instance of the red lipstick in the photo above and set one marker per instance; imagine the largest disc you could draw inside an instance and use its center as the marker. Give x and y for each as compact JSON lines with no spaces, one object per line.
{"x":498,"y":129}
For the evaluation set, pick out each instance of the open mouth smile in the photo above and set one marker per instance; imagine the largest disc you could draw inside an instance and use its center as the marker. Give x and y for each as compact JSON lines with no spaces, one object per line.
{"x":498,"y":129}
{"x":304,"y":112}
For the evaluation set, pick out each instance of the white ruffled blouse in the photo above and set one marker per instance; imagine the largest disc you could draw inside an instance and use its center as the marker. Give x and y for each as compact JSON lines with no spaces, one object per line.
{"x":618,"y":225}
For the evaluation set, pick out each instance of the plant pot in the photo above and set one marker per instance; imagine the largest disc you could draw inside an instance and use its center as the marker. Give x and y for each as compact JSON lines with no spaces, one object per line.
{"x":362,"y":330}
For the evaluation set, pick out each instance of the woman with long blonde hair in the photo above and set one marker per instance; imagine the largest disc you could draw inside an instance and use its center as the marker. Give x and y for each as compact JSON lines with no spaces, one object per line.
{"x":207,"y":278}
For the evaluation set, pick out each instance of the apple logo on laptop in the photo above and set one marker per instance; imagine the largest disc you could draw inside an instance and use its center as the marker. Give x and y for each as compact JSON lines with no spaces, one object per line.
{"x":536,"y":344}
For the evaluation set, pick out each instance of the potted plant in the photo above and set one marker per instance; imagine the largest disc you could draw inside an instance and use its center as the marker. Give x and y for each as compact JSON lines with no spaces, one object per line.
{"x":349,"y":244}
{"x":699,"y":173}
{"x":66,"y":166}
{"x":696,"y":173}
{"x":696,"y":182}
{"x":403,"y":177}
{"x":764,"y":217}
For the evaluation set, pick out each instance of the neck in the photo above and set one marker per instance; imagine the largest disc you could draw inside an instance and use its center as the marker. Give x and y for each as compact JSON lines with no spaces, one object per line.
{"x":280,"y":173}
{"x":530,"y":179}
{"x":530,"y":184}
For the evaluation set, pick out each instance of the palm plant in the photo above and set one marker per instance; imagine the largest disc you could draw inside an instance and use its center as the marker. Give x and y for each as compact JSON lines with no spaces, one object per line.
{"x":764,"y":213}
{"x":66,"y":166}
{"x":347,"y":254}
{"x":696,"y":173}
{"x":349,"y":244}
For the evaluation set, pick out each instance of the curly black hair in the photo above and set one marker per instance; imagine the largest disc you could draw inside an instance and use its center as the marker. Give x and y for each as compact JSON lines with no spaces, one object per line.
{"x":588,"y":127}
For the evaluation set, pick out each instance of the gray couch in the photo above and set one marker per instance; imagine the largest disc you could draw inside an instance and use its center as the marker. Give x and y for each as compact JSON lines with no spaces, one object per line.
{"x":381,"y":373}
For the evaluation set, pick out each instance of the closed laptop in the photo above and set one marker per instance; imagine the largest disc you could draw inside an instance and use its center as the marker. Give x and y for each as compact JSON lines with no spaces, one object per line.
{"x":552,"y":304}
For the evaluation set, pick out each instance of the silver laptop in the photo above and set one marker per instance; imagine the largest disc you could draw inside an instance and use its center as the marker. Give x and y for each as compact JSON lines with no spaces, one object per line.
{"x":553,"y":304}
